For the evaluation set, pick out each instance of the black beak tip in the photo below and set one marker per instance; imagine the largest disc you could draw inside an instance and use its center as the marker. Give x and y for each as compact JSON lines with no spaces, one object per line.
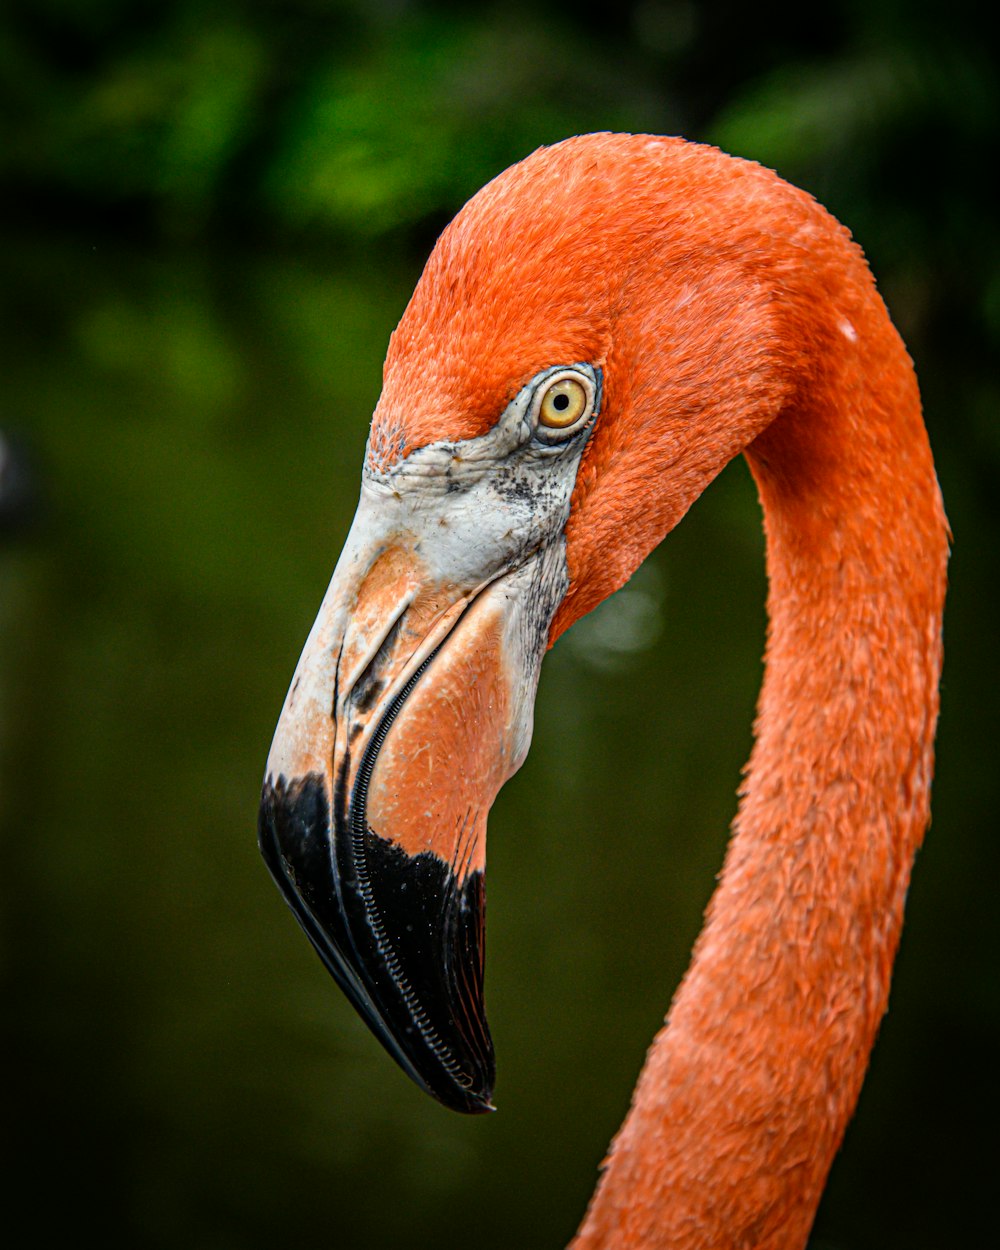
{"x":457,"y":1098}
{"x":423,"y":1001}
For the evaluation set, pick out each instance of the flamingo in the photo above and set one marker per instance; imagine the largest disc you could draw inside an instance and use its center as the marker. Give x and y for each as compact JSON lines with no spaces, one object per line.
{"x":595,"y":335}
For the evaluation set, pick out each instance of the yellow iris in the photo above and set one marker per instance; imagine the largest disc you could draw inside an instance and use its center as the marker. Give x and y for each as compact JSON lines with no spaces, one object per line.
{"x":563,"y":404}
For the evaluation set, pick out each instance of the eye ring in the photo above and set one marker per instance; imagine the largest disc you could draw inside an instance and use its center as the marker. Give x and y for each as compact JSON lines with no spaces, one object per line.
{"x":564,"y":403}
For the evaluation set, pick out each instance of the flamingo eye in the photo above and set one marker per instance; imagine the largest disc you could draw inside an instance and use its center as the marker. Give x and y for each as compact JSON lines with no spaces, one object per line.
{"x":564,"y":403}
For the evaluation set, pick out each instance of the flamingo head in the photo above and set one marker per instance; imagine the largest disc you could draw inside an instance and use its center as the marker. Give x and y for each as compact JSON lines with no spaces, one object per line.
{"x":594,"y":336}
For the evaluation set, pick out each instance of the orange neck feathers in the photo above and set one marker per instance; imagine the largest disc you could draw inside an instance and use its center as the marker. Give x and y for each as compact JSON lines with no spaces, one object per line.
{"x":727,"y":312}
{"x":748,"y":1089}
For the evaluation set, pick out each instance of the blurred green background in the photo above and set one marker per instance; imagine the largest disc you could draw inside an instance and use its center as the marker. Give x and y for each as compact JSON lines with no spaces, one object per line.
{"x":213,"y":216}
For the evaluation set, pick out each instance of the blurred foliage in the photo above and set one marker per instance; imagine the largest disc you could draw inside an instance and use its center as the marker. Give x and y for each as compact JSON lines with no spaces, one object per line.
{"x":351,"y":115}
{"x":215,"y":213}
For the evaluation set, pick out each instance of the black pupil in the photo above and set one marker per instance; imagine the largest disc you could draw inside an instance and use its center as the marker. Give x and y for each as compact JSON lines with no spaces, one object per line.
{"x":561,"y":402}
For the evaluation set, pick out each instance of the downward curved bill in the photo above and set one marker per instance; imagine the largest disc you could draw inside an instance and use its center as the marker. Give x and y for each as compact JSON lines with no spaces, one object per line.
{"x":410,"y":707}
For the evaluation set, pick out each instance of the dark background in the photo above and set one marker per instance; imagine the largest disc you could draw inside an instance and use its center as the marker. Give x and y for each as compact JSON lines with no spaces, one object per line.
{"x":213,"y":216}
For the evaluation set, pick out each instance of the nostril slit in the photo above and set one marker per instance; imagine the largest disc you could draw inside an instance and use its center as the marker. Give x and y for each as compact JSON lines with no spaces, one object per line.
{"x":366,"y":693}
{"x":371,"y":683}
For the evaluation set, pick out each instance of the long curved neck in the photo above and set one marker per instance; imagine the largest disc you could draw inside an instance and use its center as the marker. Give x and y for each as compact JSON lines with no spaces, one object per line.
{"x":748,"y":1089}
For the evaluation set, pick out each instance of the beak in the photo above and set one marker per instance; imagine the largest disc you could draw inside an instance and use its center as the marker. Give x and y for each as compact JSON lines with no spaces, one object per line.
{"x":410,"y":707}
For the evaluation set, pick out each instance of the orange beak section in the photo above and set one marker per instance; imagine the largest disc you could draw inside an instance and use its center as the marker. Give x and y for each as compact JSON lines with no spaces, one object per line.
{"x":410,"y":708}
